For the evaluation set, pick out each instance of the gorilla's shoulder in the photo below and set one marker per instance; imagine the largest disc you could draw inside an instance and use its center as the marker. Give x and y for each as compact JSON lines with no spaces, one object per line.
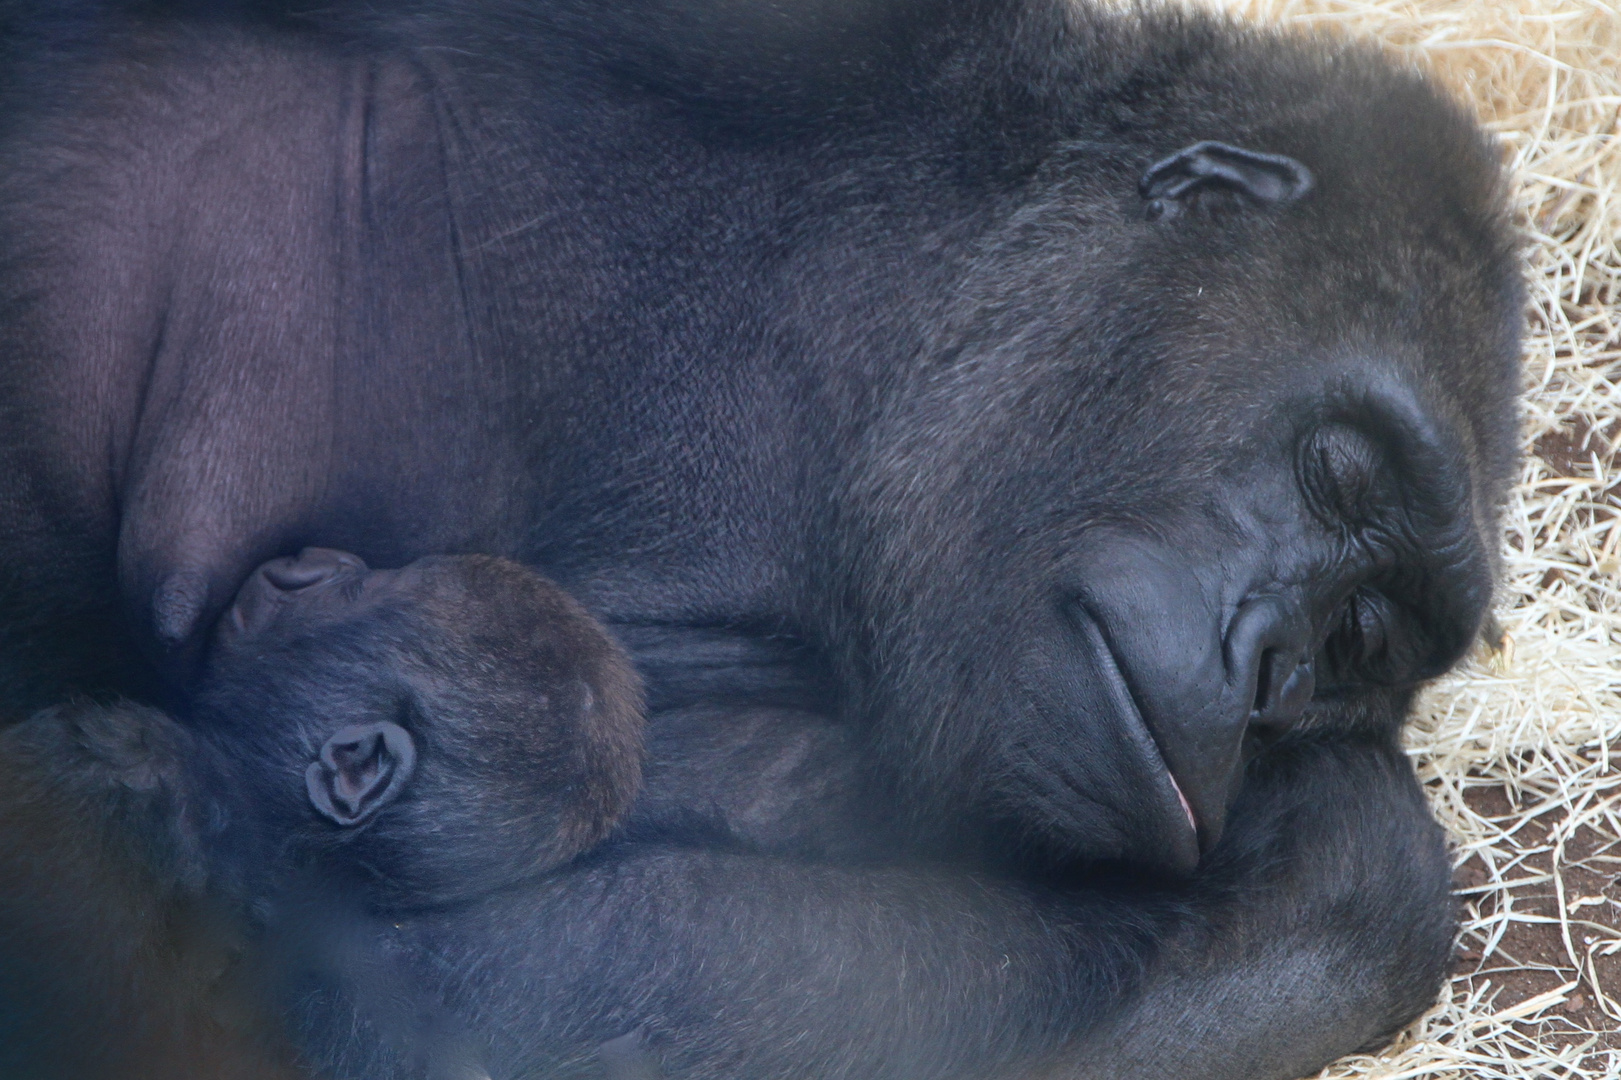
{"x":1132,"y":67}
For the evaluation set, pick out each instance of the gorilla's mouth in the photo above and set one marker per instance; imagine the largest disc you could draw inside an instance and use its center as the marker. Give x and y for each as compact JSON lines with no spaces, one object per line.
{"x":1127,"y":711}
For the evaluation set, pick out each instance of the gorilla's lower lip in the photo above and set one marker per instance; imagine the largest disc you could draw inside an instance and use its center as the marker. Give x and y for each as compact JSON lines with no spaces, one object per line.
{"x":1193,"y":822}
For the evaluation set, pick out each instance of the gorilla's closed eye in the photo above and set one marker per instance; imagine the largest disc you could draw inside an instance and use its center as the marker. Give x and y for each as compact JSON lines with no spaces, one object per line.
{"x":1340,"y":470}
{"x":1372,"y":640}
{"x":1346,"y":479}
{"x":1376,"y":485}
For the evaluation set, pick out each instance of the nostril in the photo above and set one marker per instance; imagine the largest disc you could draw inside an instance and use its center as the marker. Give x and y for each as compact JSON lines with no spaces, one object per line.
{"x":1283,"y":687}
{"x":1296,"y":693}
{"x":1266,"y":651}
{"x":1277,"y":707}
{"x":1265,"y":681}
{"x":1270,"y":720}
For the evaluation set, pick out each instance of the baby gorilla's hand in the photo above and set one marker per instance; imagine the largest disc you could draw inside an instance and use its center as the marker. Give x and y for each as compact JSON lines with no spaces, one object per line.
{"x":434,"y":732}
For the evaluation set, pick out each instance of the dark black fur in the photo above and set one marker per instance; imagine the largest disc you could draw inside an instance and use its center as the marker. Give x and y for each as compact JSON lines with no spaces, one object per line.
{"x":230,"y":905}
{"x":837,"y":357}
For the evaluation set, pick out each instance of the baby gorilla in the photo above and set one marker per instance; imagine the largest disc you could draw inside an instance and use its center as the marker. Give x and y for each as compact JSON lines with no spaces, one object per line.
{"x":364,"y":742}
{"x":436,"y":731}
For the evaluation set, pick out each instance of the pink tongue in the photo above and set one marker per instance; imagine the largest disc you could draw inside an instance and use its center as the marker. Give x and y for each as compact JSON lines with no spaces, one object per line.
{"x":1193,"y":822}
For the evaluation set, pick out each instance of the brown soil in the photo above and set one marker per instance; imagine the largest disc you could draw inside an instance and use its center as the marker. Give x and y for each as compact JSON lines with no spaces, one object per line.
{"x":1569,"y":449}
{"x":1532,"y":957}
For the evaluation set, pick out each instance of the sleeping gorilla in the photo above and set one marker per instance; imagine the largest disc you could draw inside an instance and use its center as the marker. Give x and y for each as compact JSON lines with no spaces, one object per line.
{"x":1031,"y":453}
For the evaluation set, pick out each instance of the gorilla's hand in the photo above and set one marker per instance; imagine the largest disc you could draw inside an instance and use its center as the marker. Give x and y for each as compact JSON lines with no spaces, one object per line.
{"x":1321,"y":924}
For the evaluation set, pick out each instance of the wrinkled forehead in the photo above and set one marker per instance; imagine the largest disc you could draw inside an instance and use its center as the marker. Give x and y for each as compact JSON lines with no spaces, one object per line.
{"x":1212,"y":358}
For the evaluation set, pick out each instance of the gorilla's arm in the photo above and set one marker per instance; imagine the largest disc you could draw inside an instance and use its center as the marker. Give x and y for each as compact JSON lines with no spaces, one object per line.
{"x":770,"y":780}
{"x":1320,"y":924}
{"x":1323,"y":924}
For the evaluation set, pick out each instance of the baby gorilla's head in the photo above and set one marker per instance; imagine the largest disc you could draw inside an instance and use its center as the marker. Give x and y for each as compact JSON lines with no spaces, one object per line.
{"x":438,"y":730}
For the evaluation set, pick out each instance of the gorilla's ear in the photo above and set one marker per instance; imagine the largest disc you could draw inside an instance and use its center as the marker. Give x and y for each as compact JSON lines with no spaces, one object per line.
{"x":360,"y":770}
{"x":1209,"y":168}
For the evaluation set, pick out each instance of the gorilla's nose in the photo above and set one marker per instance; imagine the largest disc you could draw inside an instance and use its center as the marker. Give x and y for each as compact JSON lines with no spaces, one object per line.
{"x":1269,"y":656}
{"x":1269,"y":681}
{"x":310,"y":567}
{"x":1209,"y":691}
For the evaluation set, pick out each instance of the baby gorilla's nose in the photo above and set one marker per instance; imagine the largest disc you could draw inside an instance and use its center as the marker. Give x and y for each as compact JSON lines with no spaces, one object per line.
{"x":310,"y":567}
{"x":280,"y":582}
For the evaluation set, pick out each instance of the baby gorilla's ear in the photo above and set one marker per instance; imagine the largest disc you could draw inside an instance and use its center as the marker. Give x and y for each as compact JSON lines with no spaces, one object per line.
{"x":361,"y":769}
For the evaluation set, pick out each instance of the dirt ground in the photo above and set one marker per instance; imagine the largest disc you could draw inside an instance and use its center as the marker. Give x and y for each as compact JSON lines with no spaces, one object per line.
{"x":1519,"y":947}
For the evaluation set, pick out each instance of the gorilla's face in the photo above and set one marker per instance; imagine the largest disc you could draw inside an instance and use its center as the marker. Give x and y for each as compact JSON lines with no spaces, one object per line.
{"x":1175,"y":495}
{"x":1335,"y":555}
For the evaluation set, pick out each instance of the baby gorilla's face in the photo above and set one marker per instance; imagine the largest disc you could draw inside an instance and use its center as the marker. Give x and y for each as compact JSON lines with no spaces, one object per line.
{"x":361,"y":767}
{"x":449,"y":727}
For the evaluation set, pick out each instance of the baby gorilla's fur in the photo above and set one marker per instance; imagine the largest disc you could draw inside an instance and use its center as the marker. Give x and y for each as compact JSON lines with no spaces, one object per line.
{"x":178,"y":845}
{"x":431,"y":732}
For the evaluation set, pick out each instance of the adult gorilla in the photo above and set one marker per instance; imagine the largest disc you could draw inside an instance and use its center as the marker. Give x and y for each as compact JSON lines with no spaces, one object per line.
{"x":990,"y":424}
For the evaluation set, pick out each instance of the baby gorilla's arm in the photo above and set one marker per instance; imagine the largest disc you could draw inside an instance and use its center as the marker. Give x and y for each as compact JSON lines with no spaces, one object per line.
{"x":1319,"y":924}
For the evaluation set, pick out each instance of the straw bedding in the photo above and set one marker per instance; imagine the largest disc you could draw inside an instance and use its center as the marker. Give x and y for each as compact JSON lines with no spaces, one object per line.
{"x":1521,"y":748}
